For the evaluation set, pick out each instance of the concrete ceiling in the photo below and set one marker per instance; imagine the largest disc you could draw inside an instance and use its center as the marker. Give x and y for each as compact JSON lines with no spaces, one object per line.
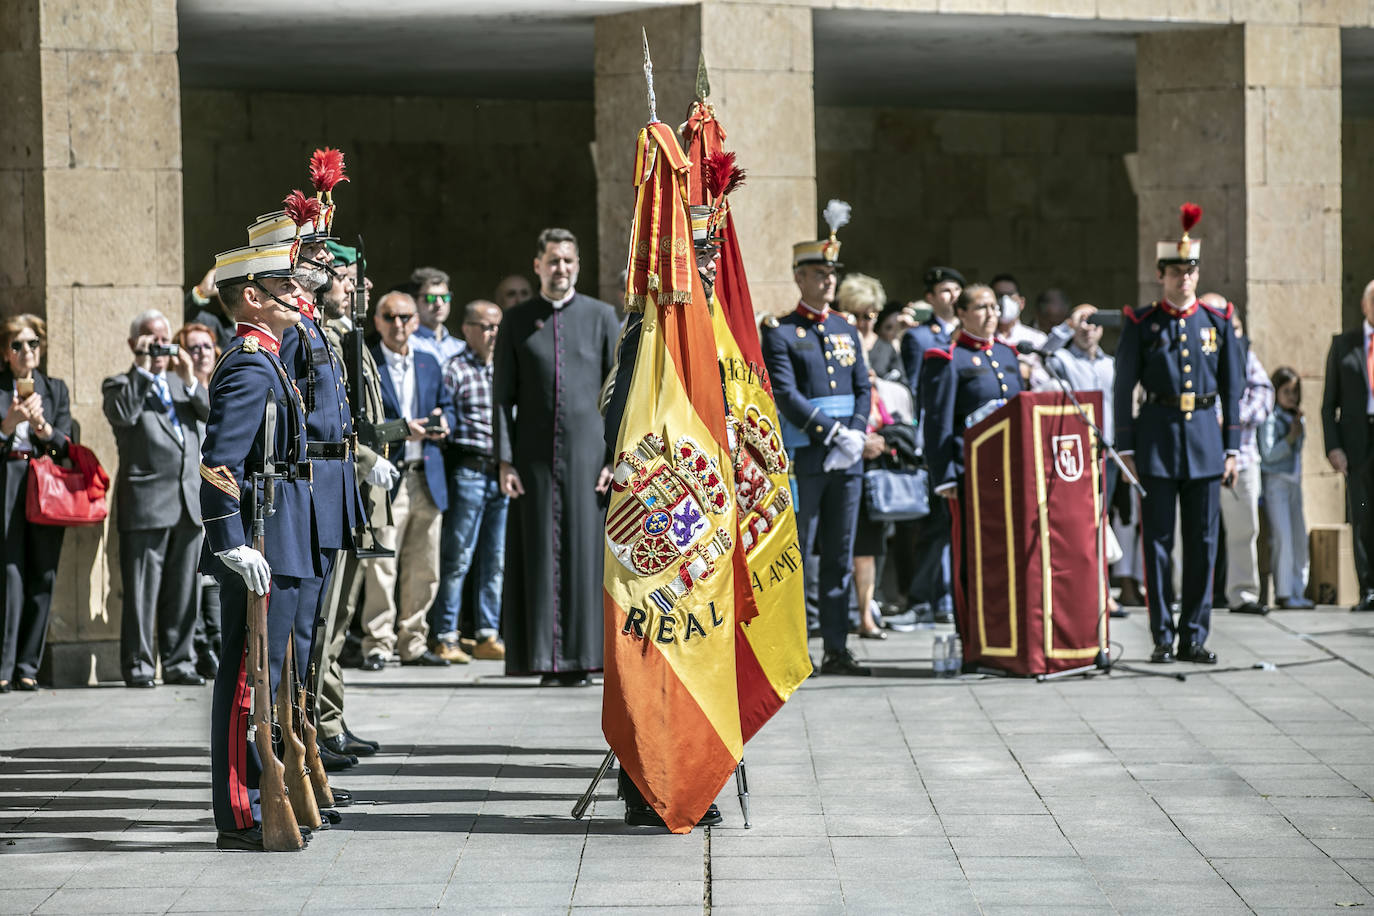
{"x":544,"y":49}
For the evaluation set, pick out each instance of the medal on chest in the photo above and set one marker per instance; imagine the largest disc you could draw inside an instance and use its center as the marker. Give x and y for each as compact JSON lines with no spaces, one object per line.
{"x":1209,"y":340}
{"x":843,"y":348}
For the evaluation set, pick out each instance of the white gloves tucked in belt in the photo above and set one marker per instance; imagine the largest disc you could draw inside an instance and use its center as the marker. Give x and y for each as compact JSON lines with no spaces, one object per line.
{"x":847,"y":447}
{"x":383,"y":474}
{"x":249,"y":564}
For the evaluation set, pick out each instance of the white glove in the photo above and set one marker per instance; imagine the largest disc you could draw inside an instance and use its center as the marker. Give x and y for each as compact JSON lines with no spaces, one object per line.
{"x":250,"y":564}
{"x":847,"y":447}
{"x":835,"y":460}
{"x":383,"y":474}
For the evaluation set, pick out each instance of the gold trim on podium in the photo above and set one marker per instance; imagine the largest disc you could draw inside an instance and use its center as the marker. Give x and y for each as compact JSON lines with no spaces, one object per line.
{"x":1041,"y":506}
{"x":1002,"y":428}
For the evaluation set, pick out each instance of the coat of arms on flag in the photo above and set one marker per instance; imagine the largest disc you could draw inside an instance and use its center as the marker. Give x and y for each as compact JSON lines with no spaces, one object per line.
{"x":758,"y":453}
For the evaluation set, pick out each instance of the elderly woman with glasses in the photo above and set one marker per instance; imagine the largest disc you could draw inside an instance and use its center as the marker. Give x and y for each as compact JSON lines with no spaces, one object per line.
{"x":34,"y":421}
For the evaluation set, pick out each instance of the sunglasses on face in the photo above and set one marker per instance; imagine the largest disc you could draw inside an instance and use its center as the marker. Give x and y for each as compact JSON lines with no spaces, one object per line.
{"x":18,"y":345}
{"x":486,"y":328}
{"x":198,"y":348}
{"x":403,"y":317}
{"x":436,"y":298}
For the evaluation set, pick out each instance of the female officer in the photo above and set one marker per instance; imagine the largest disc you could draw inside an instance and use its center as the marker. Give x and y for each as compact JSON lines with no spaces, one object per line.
{"x":957,"y":382}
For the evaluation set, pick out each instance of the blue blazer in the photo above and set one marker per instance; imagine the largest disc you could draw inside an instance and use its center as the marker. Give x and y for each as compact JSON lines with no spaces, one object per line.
{"x":233,"y":449}
{"x":305,"y":353}
{"x":1171,"y":355}
{"x":809,"y":359}
{"x":958,"y":380}
{"x":430,"y":392}
{"x":915,"y":342}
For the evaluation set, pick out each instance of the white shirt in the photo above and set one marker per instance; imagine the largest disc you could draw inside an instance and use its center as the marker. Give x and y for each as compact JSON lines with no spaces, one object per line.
{"x":1364,"y":355}
{"x":401,"y":366}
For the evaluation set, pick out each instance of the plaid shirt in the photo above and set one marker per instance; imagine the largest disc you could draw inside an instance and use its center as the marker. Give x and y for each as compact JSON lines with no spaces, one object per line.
{"x":469,"y":382}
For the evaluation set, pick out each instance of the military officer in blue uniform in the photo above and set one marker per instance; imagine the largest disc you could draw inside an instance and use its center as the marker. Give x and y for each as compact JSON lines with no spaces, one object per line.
{"x":256,"y":286}
{"x":319,"y":376}
{"x":959,"y":384}
{"x":1184,"y":356}
{"x":929,"y":589}
{"x":820,"y":382}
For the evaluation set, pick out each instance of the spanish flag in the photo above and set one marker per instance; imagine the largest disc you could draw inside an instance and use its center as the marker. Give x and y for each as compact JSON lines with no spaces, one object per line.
{"x":670,"y":711}
{"x":771,"y":653}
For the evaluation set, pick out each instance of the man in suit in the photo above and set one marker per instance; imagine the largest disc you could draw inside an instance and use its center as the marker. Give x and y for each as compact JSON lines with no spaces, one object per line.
{"x":820,"y":380}
{"x":156,"y":417}
{"x":394,"y":618}
{"x":1348,"y":429}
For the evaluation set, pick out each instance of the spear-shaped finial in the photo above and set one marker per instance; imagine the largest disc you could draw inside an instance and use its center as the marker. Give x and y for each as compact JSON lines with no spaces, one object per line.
{"x":649,"y":77}
{"x":703,"y":82}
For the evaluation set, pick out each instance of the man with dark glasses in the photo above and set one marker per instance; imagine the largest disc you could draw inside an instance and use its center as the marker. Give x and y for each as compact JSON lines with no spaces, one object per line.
{"x":434,"y":301}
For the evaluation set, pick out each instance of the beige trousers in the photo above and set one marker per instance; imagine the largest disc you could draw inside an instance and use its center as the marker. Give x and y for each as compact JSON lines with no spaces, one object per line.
{"x":340,"y":604}
{"x":401,"y":589}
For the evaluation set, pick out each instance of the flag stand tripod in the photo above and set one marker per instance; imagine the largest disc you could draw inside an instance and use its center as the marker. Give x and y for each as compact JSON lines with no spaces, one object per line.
{"x":579,"y":810}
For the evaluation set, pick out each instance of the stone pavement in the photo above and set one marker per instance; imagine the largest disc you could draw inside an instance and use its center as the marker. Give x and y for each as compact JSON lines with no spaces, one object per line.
{"x":1242,"y":789}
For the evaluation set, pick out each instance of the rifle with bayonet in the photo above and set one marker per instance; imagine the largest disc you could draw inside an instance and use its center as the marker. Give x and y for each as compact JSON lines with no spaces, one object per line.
{"x":299,"y":788}
{"x":279,"y":828}
{"x":375,"y":435}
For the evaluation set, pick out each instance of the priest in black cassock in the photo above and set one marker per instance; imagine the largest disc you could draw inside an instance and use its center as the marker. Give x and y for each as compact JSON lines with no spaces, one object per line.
{"x":552,"y":354}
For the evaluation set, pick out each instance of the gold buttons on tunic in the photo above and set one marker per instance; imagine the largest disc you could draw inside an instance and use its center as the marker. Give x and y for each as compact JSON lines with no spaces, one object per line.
{"x":1188,"y":415}
{"x":1004,"y":387}
{"x":827,"y":354}
{"x":1185,"y":351}
{"x":832,"y":384}
{"x":1188,"y":383}
{"x":1183,"y":322}
{"x":830,"y":369}
{"x":1183,"y":337}
{"x":1188,"y":368}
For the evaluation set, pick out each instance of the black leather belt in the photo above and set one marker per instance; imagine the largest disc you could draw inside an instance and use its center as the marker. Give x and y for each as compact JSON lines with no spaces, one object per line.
{"x":1186,"y":401}
{"x":484,"y":464}
{"x":328,"y":451}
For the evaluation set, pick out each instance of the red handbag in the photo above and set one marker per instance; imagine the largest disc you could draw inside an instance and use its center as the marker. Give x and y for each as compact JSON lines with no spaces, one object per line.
{"x":69,"y":497}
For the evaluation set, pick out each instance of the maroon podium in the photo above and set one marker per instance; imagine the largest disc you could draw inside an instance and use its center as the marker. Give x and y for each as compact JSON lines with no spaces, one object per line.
{"x":1030,"y":582}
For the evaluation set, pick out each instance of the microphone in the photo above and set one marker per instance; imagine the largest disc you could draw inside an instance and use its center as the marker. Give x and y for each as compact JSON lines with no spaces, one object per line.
{"x":1059,"y":337}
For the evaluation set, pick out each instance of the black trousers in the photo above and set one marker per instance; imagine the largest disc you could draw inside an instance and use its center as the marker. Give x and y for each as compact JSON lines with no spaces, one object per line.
{"x":1200,"y":503}
{"x":30,"y":567}
{"x":827,"y":513}
{"x":1359,"y":487}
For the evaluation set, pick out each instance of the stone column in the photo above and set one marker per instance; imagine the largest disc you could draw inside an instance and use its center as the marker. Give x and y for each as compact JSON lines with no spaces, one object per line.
{"x":759,"y":59}
{"x":90,"y":187}
{"x":1246,"y":121}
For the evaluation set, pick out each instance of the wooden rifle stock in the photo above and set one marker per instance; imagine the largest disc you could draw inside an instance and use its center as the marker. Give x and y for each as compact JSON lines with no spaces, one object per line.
{"x":279,"y":830}
{"x":324,"y":796}
{"x":299,"y":791}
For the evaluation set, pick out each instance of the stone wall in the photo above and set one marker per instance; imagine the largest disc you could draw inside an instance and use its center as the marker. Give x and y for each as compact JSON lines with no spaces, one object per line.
{"x":1357,"y":215}
{"x":1042,"y":196}
{"x":460,"y":184}
{"x":90,"y":211}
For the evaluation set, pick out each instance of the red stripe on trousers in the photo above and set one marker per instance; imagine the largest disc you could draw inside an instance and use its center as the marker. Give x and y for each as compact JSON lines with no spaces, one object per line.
{"x":239,"y":802}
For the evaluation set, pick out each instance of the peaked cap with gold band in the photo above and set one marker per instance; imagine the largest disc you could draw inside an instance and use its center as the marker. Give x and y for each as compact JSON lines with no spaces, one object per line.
{"x":256,"y":262}
{"x":1185,"y":250}
{"x":824,"y":251}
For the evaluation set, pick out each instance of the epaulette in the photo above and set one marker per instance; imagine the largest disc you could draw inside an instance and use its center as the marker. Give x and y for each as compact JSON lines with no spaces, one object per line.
{"x":770,"y":321}
{"x":1137,"y":317}
{"x":250,"y":345}
{"x":940,"y":353}
{"x":1226,"y":316}
{"x":851,"y":319}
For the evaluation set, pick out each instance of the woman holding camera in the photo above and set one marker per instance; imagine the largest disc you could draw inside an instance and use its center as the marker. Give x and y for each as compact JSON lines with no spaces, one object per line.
{"x":34,"y":421}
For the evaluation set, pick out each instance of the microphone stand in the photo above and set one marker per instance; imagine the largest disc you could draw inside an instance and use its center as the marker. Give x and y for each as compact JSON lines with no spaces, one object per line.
{"x":1103,"y":662}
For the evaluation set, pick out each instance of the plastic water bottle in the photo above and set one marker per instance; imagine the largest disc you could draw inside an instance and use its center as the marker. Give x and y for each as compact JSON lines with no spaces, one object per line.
{"x":938,"y":655}
{"x":956,"y":655}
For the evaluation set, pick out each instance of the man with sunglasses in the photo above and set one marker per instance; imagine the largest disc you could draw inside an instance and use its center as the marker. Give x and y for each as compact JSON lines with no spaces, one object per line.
{"x":434,"y":301}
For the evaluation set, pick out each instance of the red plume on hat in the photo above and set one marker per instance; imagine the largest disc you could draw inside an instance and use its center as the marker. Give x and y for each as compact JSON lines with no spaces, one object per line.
{"x":302,"y":210}
{"x":723,"y":176}
{"x":1189,"y":214}
{"x":327,"y":170}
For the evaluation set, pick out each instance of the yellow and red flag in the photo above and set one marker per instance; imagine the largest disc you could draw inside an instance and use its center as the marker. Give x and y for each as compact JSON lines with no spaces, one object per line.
{"x":771,"y":652}
{"x":670,"y":711}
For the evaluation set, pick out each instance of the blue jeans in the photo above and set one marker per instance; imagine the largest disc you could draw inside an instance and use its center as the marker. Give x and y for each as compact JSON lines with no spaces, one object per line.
{"x":473,"y":539}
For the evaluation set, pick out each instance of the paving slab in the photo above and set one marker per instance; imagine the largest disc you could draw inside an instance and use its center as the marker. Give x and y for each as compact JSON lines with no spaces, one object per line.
{"x":1237,"y":790}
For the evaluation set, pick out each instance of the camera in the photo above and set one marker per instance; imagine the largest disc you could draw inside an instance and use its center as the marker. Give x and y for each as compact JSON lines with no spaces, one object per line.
{"x":156,"y":350}
{"x":434,"y":423}
{"x":1107,"y":318}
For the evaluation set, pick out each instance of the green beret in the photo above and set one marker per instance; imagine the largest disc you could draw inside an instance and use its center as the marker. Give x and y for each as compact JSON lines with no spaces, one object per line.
{"x":343,"y":255}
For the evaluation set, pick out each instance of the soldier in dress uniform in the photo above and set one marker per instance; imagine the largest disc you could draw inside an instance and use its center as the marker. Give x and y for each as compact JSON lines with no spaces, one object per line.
{"x":959,"y":382}
{"x":820,"y":380}
{"x":319,"y":376}
{"x":1184,"y":356}
{"x":256,"y":286}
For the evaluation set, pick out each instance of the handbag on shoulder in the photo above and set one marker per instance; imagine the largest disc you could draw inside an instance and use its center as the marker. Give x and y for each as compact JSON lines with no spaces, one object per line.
{"x":896,"y":494}
{"x":67,"y":497}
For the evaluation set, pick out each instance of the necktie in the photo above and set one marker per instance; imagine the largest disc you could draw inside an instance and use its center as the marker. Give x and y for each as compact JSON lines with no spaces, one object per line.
{"x":165,"y":395}
{"x":1369,"y":363}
